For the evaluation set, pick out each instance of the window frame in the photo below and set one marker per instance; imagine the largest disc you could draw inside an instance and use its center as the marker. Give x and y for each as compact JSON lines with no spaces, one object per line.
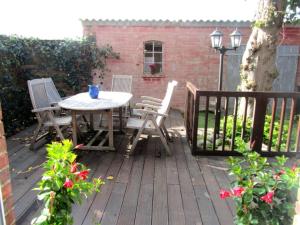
{"x":153,"y":52}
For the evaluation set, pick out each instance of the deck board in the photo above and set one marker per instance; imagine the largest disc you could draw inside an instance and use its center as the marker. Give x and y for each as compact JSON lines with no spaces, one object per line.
{"x":145,"y":190}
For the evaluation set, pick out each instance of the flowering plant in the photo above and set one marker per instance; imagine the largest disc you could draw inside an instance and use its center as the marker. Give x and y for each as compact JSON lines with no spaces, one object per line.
{"x":63,"y":183}
{"x":261,"y":190}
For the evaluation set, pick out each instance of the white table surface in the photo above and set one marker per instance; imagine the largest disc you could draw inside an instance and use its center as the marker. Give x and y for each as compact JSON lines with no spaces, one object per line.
{"x":105,"y":100}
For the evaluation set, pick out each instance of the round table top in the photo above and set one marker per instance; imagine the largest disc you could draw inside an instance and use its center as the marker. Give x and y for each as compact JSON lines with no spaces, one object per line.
{"x":105,"y":100}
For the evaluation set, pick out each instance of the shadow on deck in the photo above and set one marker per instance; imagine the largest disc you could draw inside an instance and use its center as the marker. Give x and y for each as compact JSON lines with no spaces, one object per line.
{"x":181,"y":189}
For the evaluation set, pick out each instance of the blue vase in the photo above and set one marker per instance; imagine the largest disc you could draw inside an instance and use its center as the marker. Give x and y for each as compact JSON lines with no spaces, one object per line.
{"x":93,"y":91}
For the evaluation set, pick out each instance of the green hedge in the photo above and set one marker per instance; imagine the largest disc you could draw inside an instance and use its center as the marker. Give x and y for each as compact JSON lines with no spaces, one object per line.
{"x":68,"y":62}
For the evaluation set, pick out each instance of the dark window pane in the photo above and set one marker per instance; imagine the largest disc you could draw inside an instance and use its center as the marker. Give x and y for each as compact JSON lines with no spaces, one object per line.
{"x":149,"y":46}
{"x":157,"y":57}
{"x":157,"y":47}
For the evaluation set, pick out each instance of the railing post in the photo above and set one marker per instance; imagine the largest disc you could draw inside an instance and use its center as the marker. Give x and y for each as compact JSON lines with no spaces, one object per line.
{"x":195,"y":122}
{"x":258,"y":123}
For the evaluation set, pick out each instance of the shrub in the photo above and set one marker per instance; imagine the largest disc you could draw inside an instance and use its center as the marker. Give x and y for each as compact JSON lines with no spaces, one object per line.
{"x":248,"y":127}
{"x":261,"y":190}
{"x":69,"y":62}
{"x":64,"y":183}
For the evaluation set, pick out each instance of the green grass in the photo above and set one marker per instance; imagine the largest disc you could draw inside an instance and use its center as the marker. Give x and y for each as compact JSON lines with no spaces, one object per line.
{"x":210,"y":122}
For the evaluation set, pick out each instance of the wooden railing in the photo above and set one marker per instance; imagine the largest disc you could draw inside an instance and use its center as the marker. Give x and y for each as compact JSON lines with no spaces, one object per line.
{"x":214,"y":127}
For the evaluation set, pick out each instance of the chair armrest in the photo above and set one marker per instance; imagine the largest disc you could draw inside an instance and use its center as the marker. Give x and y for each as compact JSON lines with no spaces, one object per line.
{"x":147,"y":106}
{"x":151,"y":112}
{"x":151,"y":99}
{"x":151,"y":103}
{"x":46,"y":109}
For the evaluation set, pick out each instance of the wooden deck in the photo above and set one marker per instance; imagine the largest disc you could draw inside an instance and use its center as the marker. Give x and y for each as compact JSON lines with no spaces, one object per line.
{"x":181,"y":189}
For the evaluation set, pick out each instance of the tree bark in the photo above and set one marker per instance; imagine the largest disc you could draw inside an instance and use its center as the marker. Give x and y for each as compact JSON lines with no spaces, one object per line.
{"x":258,"y":68}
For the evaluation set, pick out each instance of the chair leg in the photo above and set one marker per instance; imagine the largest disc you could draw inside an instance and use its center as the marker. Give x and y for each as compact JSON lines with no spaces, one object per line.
{"x":59,"y":132}
{"x":36,"y":132}
{"x":162,"y":138}
{"x":166,"y":133}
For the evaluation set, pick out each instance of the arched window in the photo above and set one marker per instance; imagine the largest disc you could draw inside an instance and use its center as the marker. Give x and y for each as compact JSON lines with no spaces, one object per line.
{"x":153,"y":55}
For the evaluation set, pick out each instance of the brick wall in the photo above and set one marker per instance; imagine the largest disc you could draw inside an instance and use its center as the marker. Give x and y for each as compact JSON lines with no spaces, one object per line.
{"x":187,"y":56}
{"x":5,"y":177}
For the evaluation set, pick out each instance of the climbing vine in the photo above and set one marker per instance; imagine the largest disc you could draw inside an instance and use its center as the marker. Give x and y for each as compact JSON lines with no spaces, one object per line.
{"x":69,"y":62}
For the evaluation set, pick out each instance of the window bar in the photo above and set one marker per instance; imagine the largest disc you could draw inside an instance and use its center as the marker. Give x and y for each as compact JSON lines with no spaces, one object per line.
{"x":282,"y":115}
{"x":274,"y":107}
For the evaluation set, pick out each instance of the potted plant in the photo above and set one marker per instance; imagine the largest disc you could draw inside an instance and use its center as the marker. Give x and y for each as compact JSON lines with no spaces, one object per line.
{"x":63,"y":183}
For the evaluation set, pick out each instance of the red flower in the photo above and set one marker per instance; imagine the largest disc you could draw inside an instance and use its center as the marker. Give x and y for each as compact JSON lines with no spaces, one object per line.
{"x":78,"y":146}
{"x":281,"y":172}
{"x":68,"y":183}
{"x":82,"y":174}
{"x":224,"y":194}
{"x":268,"y":198}
{"x":238,"y":191}
{"x":294,"y":167}
{"x":73,"y":167}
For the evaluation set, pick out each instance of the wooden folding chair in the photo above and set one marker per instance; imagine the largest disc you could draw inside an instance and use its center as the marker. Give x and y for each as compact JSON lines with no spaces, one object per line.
{"x":153,"y":118}
{"x":44,"y":110}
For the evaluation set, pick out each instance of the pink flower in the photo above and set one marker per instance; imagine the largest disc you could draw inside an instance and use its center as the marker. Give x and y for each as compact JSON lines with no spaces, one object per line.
{"x":268,"y":198}
{"x":82,"y":174}
{"x":68,"y":183}
{"x":78,"y":146}
{"x":73,"y":167}
{"x":238,"y":191}
{"x":224,"y":194}
{"x":294,"y":167}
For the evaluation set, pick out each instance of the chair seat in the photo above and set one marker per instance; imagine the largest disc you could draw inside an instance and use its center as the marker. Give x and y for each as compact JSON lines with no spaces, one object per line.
{"x":136,"y":112}
{"x":136,"y":123}
{"x":61,"y":121}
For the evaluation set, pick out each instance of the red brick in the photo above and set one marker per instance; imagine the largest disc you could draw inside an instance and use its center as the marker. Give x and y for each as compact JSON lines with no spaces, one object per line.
{"x":6,"y":190}
{"x":3,"y":159}
{"x":4,"y":175}
{"x":3,"y":147}
{"x":10,"y":217}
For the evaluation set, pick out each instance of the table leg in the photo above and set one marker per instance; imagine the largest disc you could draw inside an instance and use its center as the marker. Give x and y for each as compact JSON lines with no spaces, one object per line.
{"x":74,"y":128}
{"x":121,"y":119}
{"x":110,"y":129}
{"x":92,"y":121}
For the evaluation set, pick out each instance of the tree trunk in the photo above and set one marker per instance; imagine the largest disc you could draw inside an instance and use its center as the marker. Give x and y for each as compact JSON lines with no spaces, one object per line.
{"x":258,"y":69}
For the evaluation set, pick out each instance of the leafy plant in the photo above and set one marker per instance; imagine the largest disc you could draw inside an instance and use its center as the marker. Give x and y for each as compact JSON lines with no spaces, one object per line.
{"x":71,"y":64}
{"x":261,"y":190}
{"x":64,"y":183}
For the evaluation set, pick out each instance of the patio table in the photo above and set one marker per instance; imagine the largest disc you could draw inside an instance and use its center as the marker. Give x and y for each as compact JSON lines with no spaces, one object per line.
{"x":82,"y":103}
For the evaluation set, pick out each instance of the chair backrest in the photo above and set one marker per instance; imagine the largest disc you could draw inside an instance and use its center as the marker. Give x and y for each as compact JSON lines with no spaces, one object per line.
{"x":166,"y":103}
{"x":51,"y":91}
{"x":38,"y":94}
{"x":121,"y":83}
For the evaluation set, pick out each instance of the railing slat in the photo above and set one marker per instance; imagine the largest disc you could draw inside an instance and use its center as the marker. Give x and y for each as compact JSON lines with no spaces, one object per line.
{"x":274,"y":107}
{"x":282,"y":115}
{"x":225,"y":123}
{"x":217,"y":122}
{"x":290,"y":129}
{"x":245,"y":117}
{"x":206,"y":122}
{"x":297,"y":148}
{"x":234,"y":123}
